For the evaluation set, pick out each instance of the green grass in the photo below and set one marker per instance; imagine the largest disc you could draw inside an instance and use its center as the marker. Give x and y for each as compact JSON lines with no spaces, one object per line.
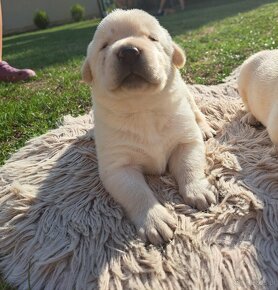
{"x":217,"y":36}
{"x":221,"y":36}
{"x":5,"y":286}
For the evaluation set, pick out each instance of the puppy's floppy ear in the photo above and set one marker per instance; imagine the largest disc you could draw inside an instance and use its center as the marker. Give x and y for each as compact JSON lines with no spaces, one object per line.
{"x":178,"y":56}
{"x":86,"y":72}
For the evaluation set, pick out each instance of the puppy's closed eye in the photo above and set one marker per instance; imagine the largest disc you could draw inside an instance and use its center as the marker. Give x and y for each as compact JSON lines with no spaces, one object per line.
{"x":104,"y":46}
{"x":153,"y":38}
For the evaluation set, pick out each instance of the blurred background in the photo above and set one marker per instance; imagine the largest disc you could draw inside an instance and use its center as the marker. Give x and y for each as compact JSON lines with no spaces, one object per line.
{"x":18,"y":14}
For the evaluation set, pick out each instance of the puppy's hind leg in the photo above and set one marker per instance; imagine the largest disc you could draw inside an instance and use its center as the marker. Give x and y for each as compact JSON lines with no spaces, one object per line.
{"x":207,"y":131}
{"x":272,"y":125}
{"x":250,"y":119}
{"x":127,"y":186}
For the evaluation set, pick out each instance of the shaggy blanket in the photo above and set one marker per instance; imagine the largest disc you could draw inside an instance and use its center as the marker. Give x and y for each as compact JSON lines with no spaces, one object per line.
{"x":59,"y":228}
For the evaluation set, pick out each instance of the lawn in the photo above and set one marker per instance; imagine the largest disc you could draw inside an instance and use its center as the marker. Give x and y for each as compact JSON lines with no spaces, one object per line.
{"x":217,"y":36}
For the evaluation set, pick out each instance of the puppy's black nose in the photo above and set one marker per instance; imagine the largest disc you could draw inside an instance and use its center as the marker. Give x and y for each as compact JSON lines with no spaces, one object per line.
{"x":128,"y":54}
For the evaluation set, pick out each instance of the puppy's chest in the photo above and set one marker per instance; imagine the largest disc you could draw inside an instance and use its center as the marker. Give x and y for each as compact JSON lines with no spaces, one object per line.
{"x":149,"y":129}
{"x":151,"y":138}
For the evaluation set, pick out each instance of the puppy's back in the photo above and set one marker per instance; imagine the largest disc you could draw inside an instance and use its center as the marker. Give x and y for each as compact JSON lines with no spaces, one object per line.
{"x":258,"y":83}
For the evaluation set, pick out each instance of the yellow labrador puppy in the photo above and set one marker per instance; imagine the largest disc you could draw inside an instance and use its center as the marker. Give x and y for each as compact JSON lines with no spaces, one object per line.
{"x":258,"y":87}
{"x":145,"y":119}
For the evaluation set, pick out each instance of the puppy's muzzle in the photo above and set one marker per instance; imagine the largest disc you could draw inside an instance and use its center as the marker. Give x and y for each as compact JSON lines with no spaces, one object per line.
{"x":128,"y":55}
{"x":133,"y":67}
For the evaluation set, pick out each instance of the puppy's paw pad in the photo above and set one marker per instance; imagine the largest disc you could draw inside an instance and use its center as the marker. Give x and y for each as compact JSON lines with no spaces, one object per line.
{"x":157,"y":226}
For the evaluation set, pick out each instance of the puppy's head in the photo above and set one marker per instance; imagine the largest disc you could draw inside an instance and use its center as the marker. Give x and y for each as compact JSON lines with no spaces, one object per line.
{"x":131,"y":52}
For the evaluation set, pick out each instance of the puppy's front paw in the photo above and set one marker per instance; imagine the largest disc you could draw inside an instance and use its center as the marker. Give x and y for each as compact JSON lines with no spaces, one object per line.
{"x":198,"y":194}
{"x":249,"y":118}
{"x":156,"y":225}
{"x":207,"y":131}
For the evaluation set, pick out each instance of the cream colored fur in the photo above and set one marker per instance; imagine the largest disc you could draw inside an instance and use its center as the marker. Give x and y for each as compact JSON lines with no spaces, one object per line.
{"x":145,"y":121}
{"x":258,"y":87}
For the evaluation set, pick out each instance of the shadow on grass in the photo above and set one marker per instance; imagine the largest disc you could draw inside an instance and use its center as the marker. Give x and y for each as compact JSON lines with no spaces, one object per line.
{"x":202,"y":12}
{"x":61,"y":44}
{"x":49,"y":47}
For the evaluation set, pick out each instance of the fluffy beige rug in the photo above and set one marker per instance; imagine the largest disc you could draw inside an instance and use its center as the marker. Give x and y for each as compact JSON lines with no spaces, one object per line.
{"x":59,"y":229}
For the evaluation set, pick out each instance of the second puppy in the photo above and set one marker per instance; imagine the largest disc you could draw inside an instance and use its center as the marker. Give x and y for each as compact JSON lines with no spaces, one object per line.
{"x":258,"y":87}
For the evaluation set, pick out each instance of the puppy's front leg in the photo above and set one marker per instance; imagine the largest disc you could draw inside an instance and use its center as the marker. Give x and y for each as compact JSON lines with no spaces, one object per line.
{"x":187,"y":164}
{"x":129,"y":188}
